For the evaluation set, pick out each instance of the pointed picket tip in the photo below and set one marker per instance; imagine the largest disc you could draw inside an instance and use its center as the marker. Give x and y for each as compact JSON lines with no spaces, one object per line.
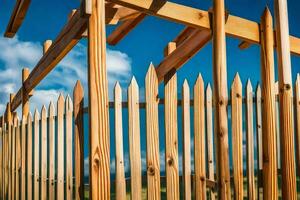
{"x":151,"y":71}
{"x":266,"y":12}
{"x":258,"y":88}
{"x":69,"y":103}
{"x":199,"y":80}
{"x":36,"y":114}
{"x":51,"y":109}
{"x":151,"y":77}
{"x":29,"y":117}
{"x":249,"y":85}
{"x":118,"y":86}
{"x":185,"y":86}
{"x":208,"y":89}
{"x":133,"y":82}
{"x":61,"y":97}
{"x":78,"y":85}
{"x":185,"y":82}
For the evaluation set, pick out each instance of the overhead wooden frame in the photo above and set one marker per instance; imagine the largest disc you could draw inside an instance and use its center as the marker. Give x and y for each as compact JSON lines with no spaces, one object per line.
{"x":17,"y":17}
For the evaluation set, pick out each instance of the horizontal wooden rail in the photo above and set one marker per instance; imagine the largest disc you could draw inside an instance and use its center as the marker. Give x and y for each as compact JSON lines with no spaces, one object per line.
{"x":237,"y":27}
{"x":66,"y":40}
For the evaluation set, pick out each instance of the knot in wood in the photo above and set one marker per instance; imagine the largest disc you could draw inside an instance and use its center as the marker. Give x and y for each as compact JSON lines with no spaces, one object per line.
{"x":287,"y":86}
{"x":238,"y":95}
{"x":170,"y":161}
{"x":202,"y":178}
{"x":221,"y":102}
{"x":151,"y":170}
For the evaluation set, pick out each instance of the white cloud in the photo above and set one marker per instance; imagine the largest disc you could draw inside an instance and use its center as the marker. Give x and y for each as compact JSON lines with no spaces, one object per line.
{"x":16,"y":54}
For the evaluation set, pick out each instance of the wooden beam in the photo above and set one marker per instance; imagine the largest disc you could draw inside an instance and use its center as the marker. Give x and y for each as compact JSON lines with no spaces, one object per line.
{"x":25,"y":98}
{"x":189,"y":47}
{"x":123,"y":29}
{"x":221,"y":99}
{"x":65,"y":41}
{"x":289,"y":187}
{"x":237,"y":27}
{"x":17,"y":17}
{"x":99,"y":156}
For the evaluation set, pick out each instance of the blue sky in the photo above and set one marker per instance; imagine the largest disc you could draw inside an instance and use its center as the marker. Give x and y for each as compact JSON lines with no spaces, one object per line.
{"x":131,"y":56}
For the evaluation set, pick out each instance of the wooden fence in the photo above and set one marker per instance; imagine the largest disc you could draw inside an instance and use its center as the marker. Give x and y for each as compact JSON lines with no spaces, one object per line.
{"x":37,"y":153}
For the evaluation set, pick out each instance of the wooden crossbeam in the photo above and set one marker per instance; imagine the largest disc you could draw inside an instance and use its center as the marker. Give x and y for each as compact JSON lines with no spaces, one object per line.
{"x":17,"y":17}
{"x":188,"y":47}
{"x":65,"y":41}
{"x":237,"y":27}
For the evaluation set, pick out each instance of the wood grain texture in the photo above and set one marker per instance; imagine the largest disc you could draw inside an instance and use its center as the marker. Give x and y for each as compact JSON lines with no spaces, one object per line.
{"x":199,"y":140}
{"x":297,"y":109}
{"x":36,"y":128}
{"x":186,"y":138}
{"x":134,"y":140}
{"x":119,"y":155}
{"x":51,"y":136}
{"x":250,"y":143}
{"x":221,"y":99}
{"x":152,"y":135}
{"x":44,"y":163}
{"x":209,"y":136}
{"x":23,"y":158}
{"x":171,"y":136}
{"x":18,"y":158}
{"x":69,"y":150}
{"x":237,"y":137}
{"x":289,"y":190}
{"x":98,"y":104}
{"x":60,"y":147}
{"x":78,"y":97}
{"x":13,"y":159}
{"x":268,"y":107}
{"x":25,"y":97}
{"x":9,"y":168}
{"x":276,"y":91}
{"x":30,"y":152}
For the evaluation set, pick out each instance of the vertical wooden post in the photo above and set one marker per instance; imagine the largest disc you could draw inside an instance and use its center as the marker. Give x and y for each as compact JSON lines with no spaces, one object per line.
{"x":171,"y":140}
{"x":221,"y":99}
{"x":25,"y":99}
{"x":10,"y":122}
{"x":268,"y":107}
{"x":186,"y":135}
{"x":43,"y":152}
{"x":289,"y":190}
{"x":18,"y":158}
{"x":51,"y":135}
{"x":78,"y":96}
{"x":29,"y":156}
{"x":36,"y":176}
{"x":134,"y":140}
{"x":119,"y":159}
{"x":98,"y":104}
{"x":69,"y":151}
{"x":237,"y":137}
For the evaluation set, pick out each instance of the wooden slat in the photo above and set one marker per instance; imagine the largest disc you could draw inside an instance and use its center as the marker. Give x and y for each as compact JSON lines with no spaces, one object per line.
{"x":269,"y":108}
{"x":209,"y":136}
{"x":199,"y":140}
{"x":237,"y":27}
{"x":18,"y":159}
{"x":23,"y":157}
{"x":221,"y":98}
{"x":13,"y":159}
{"x":259,"y":141}
{"x":10,"y":132}
{"x":60,"y":146}
{"x":29,"y":157}
{"x":289,"y":190}
{"x":134,"y":140}
{"x":51,"y":136}
{"x":250,"y":143}
{"x":276,"y":91}
{"x":186,"y":138}
{"x":119,"y":157}
{"x":197,"y":40}
{"x":152,"y":133}
{"x":36,"y":128}
{"x":64,"y":42}
{"x":44,"y":143}
{"x":297,"y":109}
{"x":17,"y":17}
{"x":98,"y":104}
{"x":123,"y":29}
{"x":69,"y":150}
{"x":171,"y":136}
{"x":237,"y":137}
{"x":78,"y":96}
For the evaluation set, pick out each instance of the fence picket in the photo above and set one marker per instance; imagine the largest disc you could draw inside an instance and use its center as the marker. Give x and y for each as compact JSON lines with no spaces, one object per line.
{"x":36,"y":154}
{"x":277,"y":126}
{"x":199,"y":140}
{"x":186,"y":135}
{"x":171,"y":138}
{"x":78,"y":96}
{"x":153,"y":166}
{"x":69,"y":142}
{"x":18,"y":160}
{"x":119,"y":158}
{"x":1,"y":163}
{"x":23,"y":158}
{"x":250,"y":144}
{"x":297,"y":107}
{"x":210,"y":145}
{"x":134,"y":140}
{"x":13,"y":177}
{"x":60,"y":147}
{"x":237,"y":137}
{"x":44,"y":153}
{"x":51,"y":135}
{"x":29,"y":156}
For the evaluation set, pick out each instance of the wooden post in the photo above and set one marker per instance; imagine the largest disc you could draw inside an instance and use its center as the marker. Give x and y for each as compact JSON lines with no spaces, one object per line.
{"x":221,"y":99}
{"x":186,"y":135}
{"x":43,"y":152}
{"x":10,"y":124}
{"x":134,"y":140}
{"x":36,"y":176}
{"x":69,"y":151}
{"x":25,"y":97}
{"x":78,"y":96}
{"x":29,"y":157}
{"x":237,"y":137}
{"x":51,"y":135}
{"x":297,"y":105}
{"x":268,"y":108}
{"x":98,"y":104}
{"x":289,"y":190}
{"x":171,"y":139}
